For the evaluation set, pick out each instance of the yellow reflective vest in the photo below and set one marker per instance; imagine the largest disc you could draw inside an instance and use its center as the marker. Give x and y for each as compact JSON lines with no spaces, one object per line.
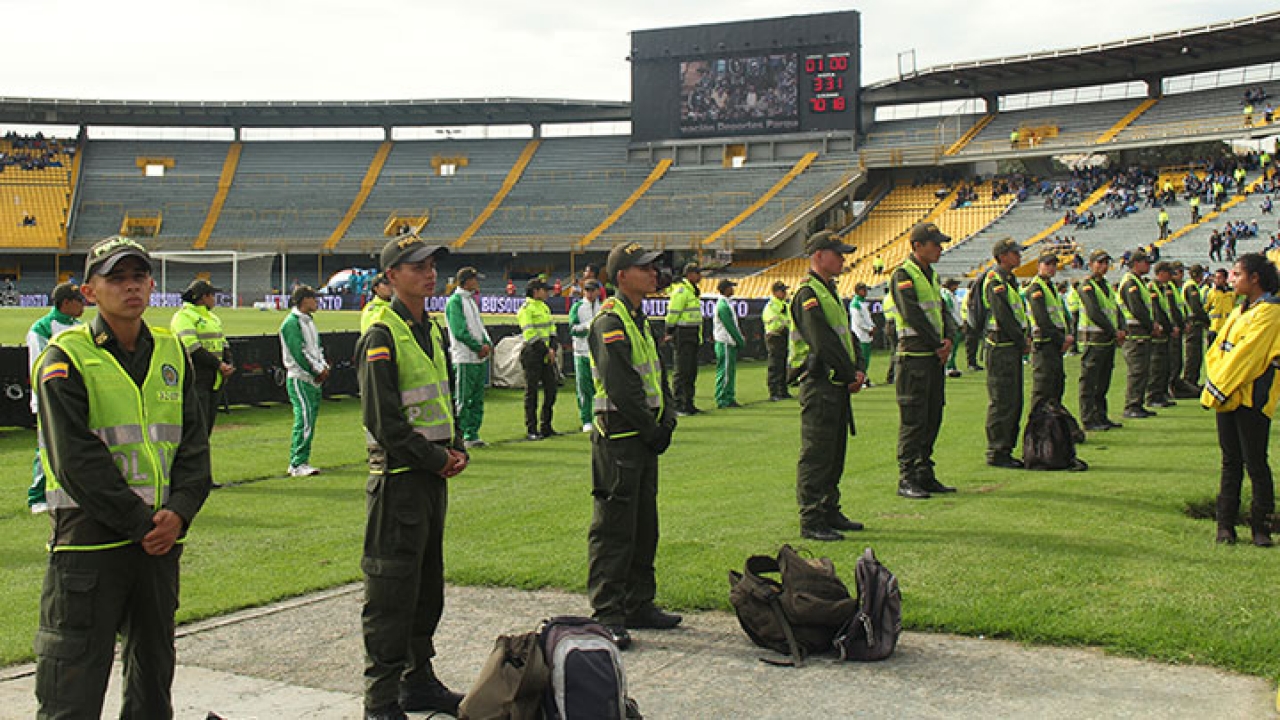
{"x":684,"y":309}
{"x":425,"y":400}
{"x":198,"y":327}
{"x":644,"y":360}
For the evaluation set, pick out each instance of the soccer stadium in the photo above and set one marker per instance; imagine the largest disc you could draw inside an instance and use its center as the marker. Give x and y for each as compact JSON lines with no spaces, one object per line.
{"x":741,"y":141}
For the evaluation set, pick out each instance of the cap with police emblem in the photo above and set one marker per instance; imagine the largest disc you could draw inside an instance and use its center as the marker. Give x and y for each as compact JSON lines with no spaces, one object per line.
{"x":408,"y":249}
{"x":928,"y":233}
{"x":1139,"y":256}
{"x":104,"y":255}
{"x":826,"y":240}
{"x":628,"y":255}
{"x":1004,"y":245}
{"x":1099,"y":255}
{"x":1048,"y":258}
{"x":65,"y":292}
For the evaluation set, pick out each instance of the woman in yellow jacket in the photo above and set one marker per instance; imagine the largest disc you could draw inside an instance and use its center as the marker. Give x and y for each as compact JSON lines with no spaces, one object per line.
{"x":1242,"y":386}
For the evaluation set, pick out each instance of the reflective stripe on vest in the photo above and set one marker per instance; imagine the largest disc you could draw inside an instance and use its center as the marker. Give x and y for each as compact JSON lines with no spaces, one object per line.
{"x":775,"y":316}
{"x":425,"y":400}
{"x":929,"y":295}
{"x":535,"y":321}
{"x":1144,"y":293}
{"x":833,"y":312}
{"x":197,"y":327}
{"x":1107,"y":302}
{"x":371,"y":309}
{"x":1053,"y":304}
{"x":143,"y":435}
{"x":644,"y":360}
{"x":684,"y":308}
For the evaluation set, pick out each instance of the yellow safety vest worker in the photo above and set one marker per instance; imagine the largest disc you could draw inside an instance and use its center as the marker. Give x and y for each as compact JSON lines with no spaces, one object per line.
{"x":1015,"y":302}
{"x":197,"y":327}
{"x":1052,"y":303}
{"x":644,"y":360}
{"x":535,"y":321}
{"x":1108,"y":303}
{"x":684,"y":309}
{"x":425,"y":400}
{"x":140,"y":426}
{"x":1144,"y":294}
{"x":834,"y":313}
{"x":776,"y":318}
{"x":929,"y":295}
{"x":370,"y":309}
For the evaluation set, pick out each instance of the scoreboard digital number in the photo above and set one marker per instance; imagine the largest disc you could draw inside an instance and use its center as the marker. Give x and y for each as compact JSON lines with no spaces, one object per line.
{"x":826,"y":79}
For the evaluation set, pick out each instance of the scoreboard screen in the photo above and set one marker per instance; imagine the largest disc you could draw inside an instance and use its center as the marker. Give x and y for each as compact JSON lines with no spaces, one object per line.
{"x":781,"y":75}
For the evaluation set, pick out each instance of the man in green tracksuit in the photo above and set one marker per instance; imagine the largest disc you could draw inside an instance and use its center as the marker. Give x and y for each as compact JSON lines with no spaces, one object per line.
{"x":1140,"y":328}
{"x":729,"y":341}
{"x":306,"y":372}
{"x":1007,"y":342}
{"x":1101,"y":328}
{"x":538,"y":359}
{"x":684,"y":331}
{"x":777,"y":326}
{"x":68,"y":306}
{"x":413,"y":451}
{"x":827,"y":362}
{"x":1049,"y":333}
{"x":580,"y":317}
{"x":126,"y":456}
{"x":470,"y":348}
{"x":634,"y":421}
{"x":200,"y":330}
{"x":1193,"y":340}
{"x":925,"y":341}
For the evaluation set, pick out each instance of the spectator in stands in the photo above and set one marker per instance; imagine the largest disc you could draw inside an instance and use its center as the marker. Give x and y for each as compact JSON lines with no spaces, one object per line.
{"x":307,"y":370}
{"x":511,"y":288}
{"x":1266,"y":206}
{"x":28,"y":220}
{"x":1215,"y":245}
{"x":877,"y":265}
{"x":68,"y":306}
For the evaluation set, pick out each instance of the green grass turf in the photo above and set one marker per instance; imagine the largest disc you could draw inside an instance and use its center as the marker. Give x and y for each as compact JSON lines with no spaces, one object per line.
{"x":1102,"y":558}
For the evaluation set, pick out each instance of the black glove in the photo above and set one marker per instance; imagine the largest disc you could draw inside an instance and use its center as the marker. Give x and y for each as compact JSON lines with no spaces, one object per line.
{"x":661,"y":440}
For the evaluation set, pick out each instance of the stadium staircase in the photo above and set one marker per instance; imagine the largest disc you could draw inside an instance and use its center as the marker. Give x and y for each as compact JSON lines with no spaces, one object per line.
{"x":1126,"y":121}
{"x":658,"y":171}
{"x":801,"y":165}
{"x":366,"y":187}
{"x":1194,"y":245}
{"x":220,"y":198}
{"x":970,"y":134}
{"x":45,"y":194}
{"x":513,"y":177}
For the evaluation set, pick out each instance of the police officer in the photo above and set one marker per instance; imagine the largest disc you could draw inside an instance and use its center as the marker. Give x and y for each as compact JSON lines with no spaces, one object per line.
{"x":925,"y":331}
{"x":1049,"y":333}
{"x":1101,"y":328}
{"x":827,"y":360}
{"x":115,"y":388}
{"x":1166,"y":316}
{"x":777,"y":326}
{"x":634,"y":421}
{"x":200,"y":330}
{"x":1193,"y":339}
{"x":381,"y":297}
{"x":402,"y":367}
{"x":1179,"y":315}
{"x":975,"y":318}
{"x":1007,"y":341}
{"x":1219,"y":301}
{"x":538,"y":358}
{"x":684,"y":331}
{"x":1141,"y":328}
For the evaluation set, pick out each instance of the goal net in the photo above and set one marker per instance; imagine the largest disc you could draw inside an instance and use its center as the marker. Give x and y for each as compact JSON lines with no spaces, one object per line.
{"x":241,"y":277}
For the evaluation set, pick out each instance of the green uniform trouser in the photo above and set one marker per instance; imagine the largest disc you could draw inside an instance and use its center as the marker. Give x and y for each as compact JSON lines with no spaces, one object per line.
{"x":776,"y":344}
{"x":1193,"y":351}
{"x":305,"y":399}
{"x":1174,"y":375}
{"x":208,"y":398}
{"x":972,"y":343}
{"x":726,"y":374}
{"x":1048,"y":379}
{"x":538,"y":373}
{"x":866,"y":357}
{"x":921,"y":387}
{"x":88,"y":598}
{"x":684,"y":378}
{"x":1096,"y":367}
{"x":1158,"y":378}
{"x":1137,"y":355}
{"x":403,"y":566}
{"x":825,"y":425}
{"x":469,"y":380}
{"x":35,"y":493}
{"x":586,"y":388}
{"x":623,"y":539}
{"x":1004,"y":392}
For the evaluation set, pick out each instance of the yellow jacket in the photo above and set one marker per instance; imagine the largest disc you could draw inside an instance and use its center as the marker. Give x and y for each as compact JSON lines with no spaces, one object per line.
{"x":1241,"y":363}
{"x":1219,"y":304}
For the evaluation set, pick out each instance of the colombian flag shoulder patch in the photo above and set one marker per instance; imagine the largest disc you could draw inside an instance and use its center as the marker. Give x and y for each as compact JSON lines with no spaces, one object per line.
{"x":375,"y":354}
{"x":906,"y":285}
{"x":53,"y":371}
{"x":810,"y":304}
{"x":613,"y":336}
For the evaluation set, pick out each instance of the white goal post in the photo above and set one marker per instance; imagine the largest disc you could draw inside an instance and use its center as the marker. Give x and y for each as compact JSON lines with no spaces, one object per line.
{"x":245,"y":276}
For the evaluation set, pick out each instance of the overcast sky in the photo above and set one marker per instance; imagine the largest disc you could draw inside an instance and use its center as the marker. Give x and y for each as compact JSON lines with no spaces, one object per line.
{"x":400,"y":49}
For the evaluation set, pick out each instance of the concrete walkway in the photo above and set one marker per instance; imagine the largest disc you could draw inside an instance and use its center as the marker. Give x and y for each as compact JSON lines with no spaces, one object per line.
{"x":303,"y":659}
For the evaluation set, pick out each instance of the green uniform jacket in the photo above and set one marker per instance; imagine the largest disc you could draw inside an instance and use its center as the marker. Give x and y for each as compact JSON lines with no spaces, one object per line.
{"x":1094,"y":313}
{"x":724,"y":311}
{"x":109,"y":510}
{"x":907,"y":302}
{"x":1136,"y":298}
{"x":621,"y":381}
{"x":1038,"y":303}
{"x":827,"y":356}
{"x":1196,"y":314}
{"x":1000,"y":290}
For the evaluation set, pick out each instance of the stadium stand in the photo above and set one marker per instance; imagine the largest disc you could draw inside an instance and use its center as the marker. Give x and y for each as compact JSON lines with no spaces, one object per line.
{"x":38,"y":175}
{"x":1203,"y":111}
{"x":1048,"y":127}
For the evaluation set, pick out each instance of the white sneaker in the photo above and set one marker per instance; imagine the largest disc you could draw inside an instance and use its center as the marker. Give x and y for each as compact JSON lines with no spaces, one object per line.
{"x":37,"y":508}
{"x":586,"y":427}
{"x":303,"y":470}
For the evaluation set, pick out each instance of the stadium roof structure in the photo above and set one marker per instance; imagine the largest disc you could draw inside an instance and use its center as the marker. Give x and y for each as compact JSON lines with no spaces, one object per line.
{"x":292,"y":114}
{"x":1220,"y":46}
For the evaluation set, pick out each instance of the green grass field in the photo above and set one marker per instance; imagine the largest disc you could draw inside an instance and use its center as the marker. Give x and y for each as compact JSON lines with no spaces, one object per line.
{"x":1105,"y":558}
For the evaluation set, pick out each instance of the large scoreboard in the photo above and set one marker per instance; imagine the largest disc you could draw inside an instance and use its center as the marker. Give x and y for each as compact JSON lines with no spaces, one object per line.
{"x":781,"y":75}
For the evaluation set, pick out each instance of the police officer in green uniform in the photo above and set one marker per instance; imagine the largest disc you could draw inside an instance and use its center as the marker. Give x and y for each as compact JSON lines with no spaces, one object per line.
{"x":539,"y":359}
{"x":1193,"y":338}
{"x":777,"y":328}
{"x":1049,"y":333}
{"x":200,"y":331}
{"x":1141,"y":328}
{"x":1101,"y":328}
{"x":925,"y":332}
{"x":1165,"y":317}
{"x":1006,"y":343}
{"x":413,"y":449}
{"x":1178,"y":318}
{"x":975,"y":321}
{"x":684,"y":331}
{"x":634,"y":419}
{"x":126,"y":454}
{"x":827,"y":361}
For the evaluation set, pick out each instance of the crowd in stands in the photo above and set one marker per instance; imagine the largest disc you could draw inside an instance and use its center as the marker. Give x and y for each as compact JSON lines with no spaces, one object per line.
{"x":33,"y":152}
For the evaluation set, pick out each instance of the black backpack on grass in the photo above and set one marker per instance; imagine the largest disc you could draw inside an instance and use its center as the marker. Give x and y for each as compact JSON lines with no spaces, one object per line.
{"x":1049,"y":442}
{"x":872,"y":633}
